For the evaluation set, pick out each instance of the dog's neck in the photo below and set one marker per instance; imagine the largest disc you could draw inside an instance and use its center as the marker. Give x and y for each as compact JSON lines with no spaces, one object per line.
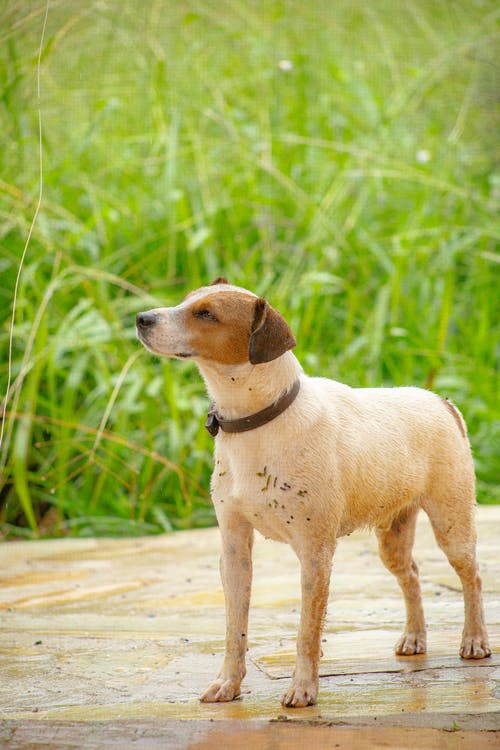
{"x":241,"y":390}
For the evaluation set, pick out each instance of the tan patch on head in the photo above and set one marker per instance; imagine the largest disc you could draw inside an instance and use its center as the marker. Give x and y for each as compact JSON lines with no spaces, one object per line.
{"x":221,"y":323}
{"x":220,"y":326}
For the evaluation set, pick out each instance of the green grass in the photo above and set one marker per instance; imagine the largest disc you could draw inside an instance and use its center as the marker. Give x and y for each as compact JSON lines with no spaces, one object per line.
{"x":354,"y":187}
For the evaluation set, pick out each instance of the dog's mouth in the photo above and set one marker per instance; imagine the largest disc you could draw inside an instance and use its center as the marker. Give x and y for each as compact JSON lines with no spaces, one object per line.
{"x":154,"y":350}
{"x":143,"y":337}
{"x":147,"y":338}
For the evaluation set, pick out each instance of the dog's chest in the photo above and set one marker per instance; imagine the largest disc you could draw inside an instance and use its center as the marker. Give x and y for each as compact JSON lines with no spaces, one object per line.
{"x":271,"y":495}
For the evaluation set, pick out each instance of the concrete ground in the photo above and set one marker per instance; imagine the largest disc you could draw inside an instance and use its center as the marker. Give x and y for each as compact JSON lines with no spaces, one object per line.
{"x":108,"y":643}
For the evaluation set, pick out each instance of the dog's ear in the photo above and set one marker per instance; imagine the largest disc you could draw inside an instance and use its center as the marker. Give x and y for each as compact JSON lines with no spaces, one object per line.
{"x":219,"y":280}
{"x":270,"y":335}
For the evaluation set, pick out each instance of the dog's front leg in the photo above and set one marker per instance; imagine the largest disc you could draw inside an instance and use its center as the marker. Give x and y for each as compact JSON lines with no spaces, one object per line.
{"x":236,"y":574}
{"x":315,"y":579}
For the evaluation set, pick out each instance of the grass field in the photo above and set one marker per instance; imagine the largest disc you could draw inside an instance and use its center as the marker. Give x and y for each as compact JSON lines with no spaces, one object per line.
{"x":336,"y":157}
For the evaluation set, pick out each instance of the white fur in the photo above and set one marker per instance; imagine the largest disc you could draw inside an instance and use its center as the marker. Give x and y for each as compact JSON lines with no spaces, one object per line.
{"x":337,"y":459}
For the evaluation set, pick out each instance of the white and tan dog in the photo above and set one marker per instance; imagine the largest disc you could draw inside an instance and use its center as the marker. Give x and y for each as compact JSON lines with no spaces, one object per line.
{"x":306,"y":460}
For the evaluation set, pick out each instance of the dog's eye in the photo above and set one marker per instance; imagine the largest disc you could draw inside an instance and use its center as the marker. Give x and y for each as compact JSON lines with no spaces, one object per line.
{"x":204,"y":314}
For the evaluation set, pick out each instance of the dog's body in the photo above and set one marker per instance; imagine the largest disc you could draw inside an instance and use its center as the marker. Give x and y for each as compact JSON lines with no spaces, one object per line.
{"x":335,"y":460}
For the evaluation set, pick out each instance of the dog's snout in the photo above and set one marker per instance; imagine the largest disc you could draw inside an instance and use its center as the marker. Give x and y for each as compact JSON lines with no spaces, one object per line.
{"x":146,"y":319}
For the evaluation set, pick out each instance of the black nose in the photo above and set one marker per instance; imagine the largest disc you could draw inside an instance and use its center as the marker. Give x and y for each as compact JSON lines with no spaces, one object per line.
{"x":145,"y":319}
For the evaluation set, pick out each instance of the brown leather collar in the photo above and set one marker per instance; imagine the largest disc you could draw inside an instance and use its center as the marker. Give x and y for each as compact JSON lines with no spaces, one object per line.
{"x":214,"y":420}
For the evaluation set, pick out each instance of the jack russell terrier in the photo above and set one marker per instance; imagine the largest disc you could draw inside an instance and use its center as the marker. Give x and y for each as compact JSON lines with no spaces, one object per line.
{"x":307,"y":460}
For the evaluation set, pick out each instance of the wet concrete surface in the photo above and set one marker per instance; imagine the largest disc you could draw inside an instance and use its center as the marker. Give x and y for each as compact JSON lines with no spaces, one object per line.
{"x":110,"y":643}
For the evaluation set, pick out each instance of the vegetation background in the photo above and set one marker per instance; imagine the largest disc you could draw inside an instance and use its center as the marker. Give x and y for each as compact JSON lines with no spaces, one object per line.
{"x":337,"y":157}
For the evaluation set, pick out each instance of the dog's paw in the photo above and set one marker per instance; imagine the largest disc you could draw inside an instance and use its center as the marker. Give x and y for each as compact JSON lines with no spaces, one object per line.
{"x":410,"y":644}
{"x":475,"y":647}
{"x":221,"y":690}
{"x":301,"y":693}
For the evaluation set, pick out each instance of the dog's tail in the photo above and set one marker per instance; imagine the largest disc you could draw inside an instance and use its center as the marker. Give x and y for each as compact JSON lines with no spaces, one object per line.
{"x":456,"y":416}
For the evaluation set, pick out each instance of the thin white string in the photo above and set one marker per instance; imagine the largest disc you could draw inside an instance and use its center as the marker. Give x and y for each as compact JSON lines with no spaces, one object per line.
{"x":33,"y":222}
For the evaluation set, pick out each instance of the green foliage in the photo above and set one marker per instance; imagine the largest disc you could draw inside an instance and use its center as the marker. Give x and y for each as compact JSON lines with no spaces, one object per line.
{"x":335,"y":157}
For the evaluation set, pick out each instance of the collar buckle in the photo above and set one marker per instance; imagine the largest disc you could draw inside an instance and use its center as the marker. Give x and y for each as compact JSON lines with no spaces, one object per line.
{"x":212,"y":423}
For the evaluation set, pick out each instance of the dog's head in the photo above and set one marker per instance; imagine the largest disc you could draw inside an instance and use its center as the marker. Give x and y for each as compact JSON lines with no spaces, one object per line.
{"x":221,"y":323}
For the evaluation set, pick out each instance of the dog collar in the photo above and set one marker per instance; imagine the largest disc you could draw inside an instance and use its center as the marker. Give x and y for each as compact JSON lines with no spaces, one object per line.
{"x":215,"y":421}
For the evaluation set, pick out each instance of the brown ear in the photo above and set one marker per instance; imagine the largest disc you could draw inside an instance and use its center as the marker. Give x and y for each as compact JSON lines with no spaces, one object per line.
{"x":270,"y":337}
{"x":219,"y":280}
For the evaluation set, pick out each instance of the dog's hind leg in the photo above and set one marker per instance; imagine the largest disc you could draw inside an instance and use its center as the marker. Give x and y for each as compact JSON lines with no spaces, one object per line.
{"x":455,"y":532}
{"x":395,"y":547}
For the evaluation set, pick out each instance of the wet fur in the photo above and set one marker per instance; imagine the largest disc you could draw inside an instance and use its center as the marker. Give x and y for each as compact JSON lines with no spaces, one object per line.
{"x":337,"y":459}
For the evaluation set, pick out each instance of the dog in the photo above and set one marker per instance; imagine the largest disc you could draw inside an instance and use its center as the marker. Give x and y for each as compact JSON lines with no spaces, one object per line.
{"x":307,"y":460}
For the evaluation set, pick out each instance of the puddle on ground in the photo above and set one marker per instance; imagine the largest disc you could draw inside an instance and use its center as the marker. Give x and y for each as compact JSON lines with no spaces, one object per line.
{"x":411,"y":693}
{"x":241,"y":709}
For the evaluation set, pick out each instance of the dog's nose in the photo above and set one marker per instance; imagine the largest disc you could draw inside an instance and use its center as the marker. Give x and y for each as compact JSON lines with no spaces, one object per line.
{"x":145,"y":319}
